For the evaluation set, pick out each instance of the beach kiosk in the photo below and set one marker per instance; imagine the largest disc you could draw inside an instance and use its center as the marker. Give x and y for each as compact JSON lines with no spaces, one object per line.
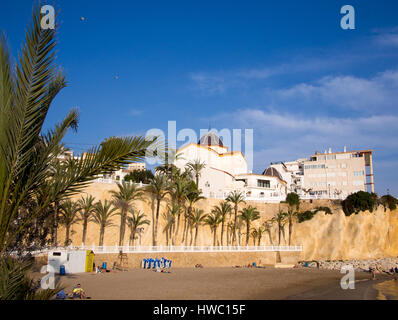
{"x":74,"y":261}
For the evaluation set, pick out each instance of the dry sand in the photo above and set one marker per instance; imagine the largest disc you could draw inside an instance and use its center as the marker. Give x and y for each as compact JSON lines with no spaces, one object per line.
{"x":220,"y":283}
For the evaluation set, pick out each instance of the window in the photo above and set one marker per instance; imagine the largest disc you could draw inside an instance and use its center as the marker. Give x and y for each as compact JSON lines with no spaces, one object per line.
{"x":358,"y":173}
{"x":314,"y":166}
{"x":263,"y":183}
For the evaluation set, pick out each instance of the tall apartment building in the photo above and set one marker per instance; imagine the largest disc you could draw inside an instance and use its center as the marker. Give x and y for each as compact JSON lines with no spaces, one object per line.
{"x":332,"y":175}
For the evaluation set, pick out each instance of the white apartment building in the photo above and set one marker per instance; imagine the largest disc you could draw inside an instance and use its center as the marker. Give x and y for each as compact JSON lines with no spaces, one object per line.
{"x":332,"y":175}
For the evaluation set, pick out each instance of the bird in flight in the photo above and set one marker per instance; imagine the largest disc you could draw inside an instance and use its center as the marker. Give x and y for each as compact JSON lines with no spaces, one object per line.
{"x":82,"y":18}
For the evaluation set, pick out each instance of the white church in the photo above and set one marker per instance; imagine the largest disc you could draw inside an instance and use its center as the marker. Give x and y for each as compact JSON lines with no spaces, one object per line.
{"x":226,"y":171}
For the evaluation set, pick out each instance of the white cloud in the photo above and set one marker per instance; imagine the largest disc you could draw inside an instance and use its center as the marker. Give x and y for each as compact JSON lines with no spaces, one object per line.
{"x":135,"y":112}
{"x":283,"y":137}
{"x":386,"y":37}
{"x":374,"y":94}
{"x":209,"y":84}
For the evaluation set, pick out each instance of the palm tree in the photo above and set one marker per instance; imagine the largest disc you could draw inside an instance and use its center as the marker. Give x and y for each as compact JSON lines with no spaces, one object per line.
{"x":86,"y":208}
{"x":248,"y":215}
{"x":170,"y":218}
{"x":257,"y":233}
{"x":254,"y":235}
{"x":235,"y":197}
{"x":213,"y":220}
{"x":101,"y":216}
{"x":123,"y":200}
{"x":268,"y":228}
{"x":135,"y":221}
{"x":293,"y":201}
{"x":239,"y":226}
{"x":196,"y":166}
{"x":168,"y":167}
{"x":68,"y":212}
{"x":158,"y":187}
{"x":178,"y":191}
{"x":28,"y":152}
{"x":223,"y":209}
{"x":198,"y":218}
{"x":280,"y":219}
{"x":230,"y":230}
{"x":192,"y":196}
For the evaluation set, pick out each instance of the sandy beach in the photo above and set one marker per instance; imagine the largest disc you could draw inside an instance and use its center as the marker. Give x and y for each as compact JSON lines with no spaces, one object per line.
{"x":222,"y":283}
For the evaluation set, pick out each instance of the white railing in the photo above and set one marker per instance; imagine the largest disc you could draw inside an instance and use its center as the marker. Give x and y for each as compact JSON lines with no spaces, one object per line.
{"x":110,"y":180}
{"x":322,"y":197}
{"x":148,"y":249}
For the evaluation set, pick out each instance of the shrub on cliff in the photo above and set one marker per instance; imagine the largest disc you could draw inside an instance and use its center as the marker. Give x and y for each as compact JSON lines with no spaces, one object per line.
{"x":306,"y":215}
{"x":388,"y":201}
{"x":309,"y":214}
{"x":325,"y":209}
{"x":359,"y":201}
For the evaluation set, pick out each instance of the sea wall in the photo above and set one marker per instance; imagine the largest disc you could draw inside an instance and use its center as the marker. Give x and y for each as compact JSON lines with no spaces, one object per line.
{"x":190,"y":259}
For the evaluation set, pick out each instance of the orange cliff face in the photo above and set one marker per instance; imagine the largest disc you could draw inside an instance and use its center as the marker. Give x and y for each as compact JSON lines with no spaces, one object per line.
{"x":324,"y":237}
{"x":360,"y":236}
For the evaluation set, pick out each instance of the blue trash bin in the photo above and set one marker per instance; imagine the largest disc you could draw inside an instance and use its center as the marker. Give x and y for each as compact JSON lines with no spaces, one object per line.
{"x":104,"y":265}
{"x":62,"y":270}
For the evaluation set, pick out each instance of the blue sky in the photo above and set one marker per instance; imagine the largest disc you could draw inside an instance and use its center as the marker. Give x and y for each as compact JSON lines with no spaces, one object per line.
{"x":283,"y":68}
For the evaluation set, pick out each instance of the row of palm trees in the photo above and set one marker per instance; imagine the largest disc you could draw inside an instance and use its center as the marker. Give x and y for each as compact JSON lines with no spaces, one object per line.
{"x":177,"y":188}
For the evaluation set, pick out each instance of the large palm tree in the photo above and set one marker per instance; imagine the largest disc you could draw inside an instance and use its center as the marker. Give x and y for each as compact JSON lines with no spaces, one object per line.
{"x":68,"y":217}
{"x":86,"y":208}
{"x":248,"y":215}
{"x":123,"y":200}
{"x":28,"y":152}
{"x":135,"y":221}
{"x":196,"y":166}
{"x":213,"y":219}
{"x":158,"y":187}
{"x":103,"y":211}
{"x":198,"y":218}
{"x":223,"y":209}
{"x":235,"y":197}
